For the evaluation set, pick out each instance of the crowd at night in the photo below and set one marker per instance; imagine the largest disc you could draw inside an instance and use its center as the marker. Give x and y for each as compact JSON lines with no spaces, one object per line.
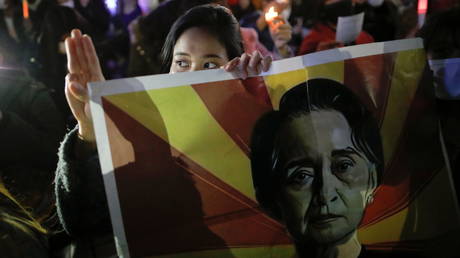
{"x":51,"y":49}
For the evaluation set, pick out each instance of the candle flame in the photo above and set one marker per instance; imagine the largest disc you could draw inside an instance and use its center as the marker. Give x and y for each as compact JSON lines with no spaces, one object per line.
{"x":271,"y":14}
{"x":422,"y":6}
{"x":25,"y":9}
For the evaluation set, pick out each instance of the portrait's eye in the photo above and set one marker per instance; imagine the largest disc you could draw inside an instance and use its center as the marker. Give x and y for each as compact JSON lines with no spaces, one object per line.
{"x":210,"y":65}
{"x":342,"y":166}
{"x":301,"y":177}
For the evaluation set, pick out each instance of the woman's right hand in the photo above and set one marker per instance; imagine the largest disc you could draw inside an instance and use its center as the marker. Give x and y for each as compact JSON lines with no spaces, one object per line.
{"x":83,"y":65}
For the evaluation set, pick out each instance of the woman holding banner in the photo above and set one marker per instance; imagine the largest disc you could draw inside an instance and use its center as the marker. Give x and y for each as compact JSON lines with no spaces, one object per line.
{"x":206,"y":37}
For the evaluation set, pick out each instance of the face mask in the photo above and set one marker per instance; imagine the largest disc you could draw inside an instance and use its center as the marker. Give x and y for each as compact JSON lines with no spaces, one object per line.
{"x":341,"y":8}
{"x":286,"y":13}
{"x":375,"y":3}
{"x":446,"y":73}
{"x":148,"y":5}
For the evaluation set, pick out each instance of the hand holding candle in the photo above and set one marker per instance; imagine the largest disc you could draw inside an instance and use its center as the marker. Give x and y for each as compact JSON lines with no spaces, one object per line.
{"x":273,"y":19}
{"x":271,"y":14}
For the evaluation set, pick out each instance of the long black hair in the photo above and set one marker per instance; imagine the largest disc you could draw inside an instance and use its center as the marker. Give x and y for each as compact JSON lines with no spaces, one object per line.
{"x":216,"y":19}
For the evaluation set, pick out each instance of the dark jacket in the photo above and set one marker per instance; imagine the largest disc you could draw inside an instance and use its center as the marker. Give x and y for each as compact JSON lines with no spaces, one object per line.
{"x":82,"y":203}
{"x":30,"y":130}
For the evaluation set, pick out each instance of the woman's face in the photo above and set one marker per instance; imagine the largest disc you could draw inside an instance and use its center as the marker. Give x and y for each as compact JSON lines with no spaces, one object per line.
{"x":327,"y":180}
{"x":197,"y":50}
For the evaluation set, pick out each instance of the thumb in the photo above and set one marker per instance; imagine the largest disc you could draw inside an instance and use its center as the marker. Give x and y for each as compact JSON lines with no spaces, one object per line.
{"x":78,"y":91}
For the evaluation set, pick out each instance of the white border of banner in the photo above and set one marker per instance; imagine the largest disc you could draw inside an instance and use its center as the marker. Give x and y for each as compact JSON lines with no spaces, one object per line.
{"x":119,"y":86}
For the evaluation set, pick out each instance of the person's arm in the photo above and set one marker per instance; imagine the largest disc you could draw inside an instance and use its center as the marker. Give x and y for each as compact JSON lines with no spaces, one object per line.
{"x":80,"y":193}
{"x":84,"y":67}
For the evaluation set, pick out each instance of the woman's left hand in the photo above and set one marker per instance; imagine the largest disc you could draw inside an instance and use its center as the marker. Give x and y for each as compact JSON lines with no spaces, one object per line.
{"x":249,"y":64}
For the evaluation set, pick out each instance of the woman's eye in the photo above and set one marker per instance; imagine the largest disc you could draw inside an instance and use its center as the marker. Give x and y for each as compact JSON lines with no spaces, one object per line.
{"x":210,"y":65}
{"x":343,"y":166}
{"x":301,"y":177}
{"x":182,"y":64}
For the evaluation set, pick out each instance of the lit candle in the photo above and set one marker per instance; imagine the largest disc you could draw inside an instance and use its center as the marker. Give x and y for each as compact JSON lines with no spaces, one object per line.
{"x":25,"y":9}
{"x":422,"y":6}
{"x":421,"y":10}
{"x":271,"y":15}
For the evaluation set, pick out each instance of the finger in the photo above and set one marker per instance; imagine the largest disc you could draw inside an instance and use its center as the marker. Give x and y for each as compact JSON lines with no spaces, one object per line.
{"x":267,"y":62}
{"x":278,"y":21}
{"x":245,"y":58}
{"x":80,"y":55}
{"x":230,"y":66}
{"x":91,"y":55}
{"x":254,"y":62}
{"x":75,"y":33}
{"x":72,"y":60}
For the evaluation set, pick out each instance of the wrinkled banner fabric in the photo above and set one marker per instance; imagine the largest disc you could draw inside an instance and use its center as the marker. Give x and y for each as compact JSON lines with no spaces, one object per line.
{"x":175,"y":155}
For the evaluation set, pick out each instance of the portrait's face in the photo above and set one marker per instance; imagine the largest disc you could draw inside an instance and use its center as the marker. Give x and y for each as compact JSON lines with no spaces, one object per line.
{"x":327,"y":180}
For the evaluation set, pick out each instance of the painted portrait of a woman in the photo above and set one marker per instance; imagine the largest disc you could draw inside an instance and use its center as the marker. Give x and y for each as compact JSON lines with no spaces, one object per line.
{"x":316,"y":163}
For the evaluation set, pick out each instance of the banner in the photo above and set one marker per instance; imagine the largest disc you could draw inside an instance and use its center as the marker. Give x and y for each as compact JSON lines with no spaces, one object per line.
{"x":353,"y":147}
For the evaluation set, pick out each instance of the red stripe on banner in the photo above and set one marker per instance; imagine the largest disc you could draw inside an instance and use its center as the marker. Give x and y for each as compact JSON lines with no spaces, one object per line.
{"x":235,"y":107}
{"x":417,"y":159}
{"x":170,"y":204}
{"x":371,"y":72}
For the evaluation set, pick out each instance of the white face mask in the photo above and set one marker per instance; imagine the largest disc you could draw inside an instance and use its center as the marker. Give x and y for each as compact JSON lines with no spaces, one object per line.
{"x":286,"y":13}
{"x":2,"y":4}
{"x":375,"y":3}
{"x":148,"y":5}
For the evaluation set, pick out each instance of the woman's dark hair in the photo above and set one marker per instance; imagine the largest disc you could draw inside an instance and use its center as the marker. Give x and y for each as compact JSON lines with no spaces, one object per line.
{"x":313,"y":95}
{"x":217,"y":20}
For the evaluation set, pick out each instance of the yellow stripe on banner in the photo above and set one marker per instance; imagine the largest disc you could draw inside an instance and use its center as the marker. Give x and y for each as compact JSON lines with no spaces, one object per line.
{"x":278,"y":84}
{"x":425,"y":218}
{"x":407,"y":72}
{"x":284,"y":251}
{"x":333,"y":71}
{"x":192,"y":130}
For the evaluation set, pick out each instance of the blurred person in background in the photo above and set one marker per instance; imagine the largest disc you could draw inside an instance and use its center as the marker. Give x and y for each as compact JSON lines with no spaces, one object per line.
{"x":275,"y":34}
{"x":95,"y":13}
{"x":381,"y":18}
{"x":57,"y":23}
{"x":114,"y":50}
{"x":31,"y":128}
{"x":242,"y":8}
{"x":442,"y":5}
{"x":14,"y":33}
{"x":322,"y":35}
{"x":441,"y":38}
